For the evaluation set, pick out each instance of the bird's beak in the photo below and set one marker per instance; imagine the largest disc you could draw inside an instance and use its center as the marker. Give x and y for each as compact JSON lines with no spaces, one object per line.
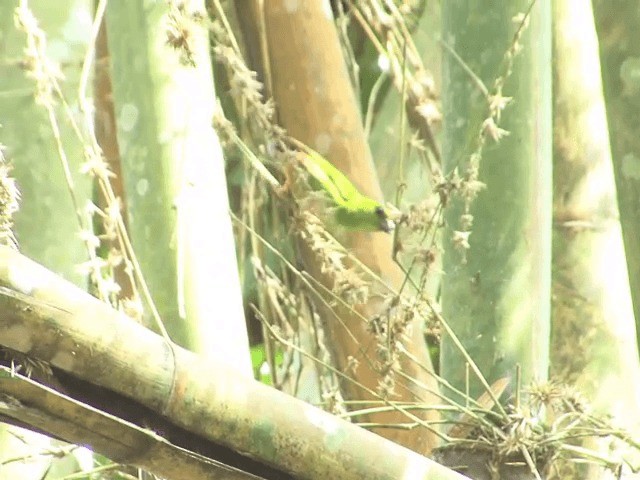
{"x":387,"y":225}
{"x":390,"y":218}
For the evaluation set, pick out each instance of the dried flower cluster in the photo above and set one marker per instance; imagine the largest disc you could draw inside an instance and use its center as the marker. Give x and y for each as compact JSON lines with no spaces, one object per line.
{"x":469,"y":185}
{"x":9,"y":198}
{"x":181,"y":24}
{"x":545,"y":433}
{"x":391,"y":329}
{"x":389,"y":28}
{"x":348,"y":284}
{"x":246,"y":90}
{"x":47,"y":77}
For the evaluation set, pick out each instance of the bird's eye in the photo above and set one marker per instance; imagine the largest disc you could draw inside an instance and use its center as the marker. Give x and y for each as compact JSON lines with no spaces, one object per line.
{"x":380,"y":212}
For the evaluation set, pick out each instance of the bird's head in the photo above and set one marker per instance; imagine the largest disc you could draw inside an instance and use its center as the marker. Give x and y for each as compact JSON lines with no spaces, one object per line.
{"x":365,"y":215}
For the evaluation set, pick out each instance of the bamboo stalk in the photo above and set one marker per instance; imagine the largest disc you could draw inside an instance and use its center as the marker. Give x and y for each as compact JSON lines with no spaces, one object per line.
{"x":50,"y":319}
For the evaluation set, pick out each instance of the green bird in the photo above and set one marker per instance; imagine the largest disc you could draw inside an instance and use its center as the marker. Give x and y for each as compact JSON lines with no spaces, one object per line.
{"x":352,"y":209}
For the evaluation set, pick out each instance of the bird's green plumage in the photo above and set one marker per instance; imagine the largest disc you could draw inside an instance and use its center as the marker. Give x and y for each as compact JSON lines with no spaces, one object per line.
{"x":353,"y":210}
